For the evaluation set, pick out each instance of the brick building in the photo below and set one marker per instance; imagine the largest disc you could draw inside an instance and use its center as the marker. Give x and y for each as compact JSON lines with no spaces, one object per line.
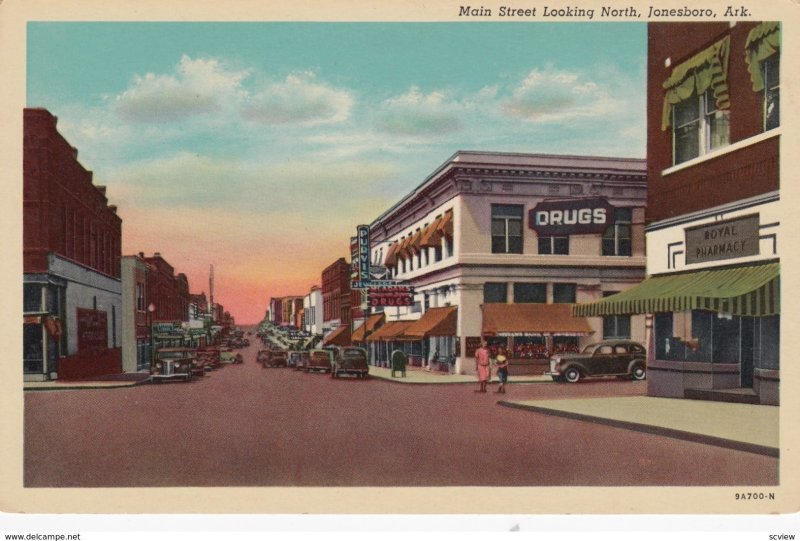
{"x":713,"y":222}
{"x":71,"y":260}
{"x":336,"y":296}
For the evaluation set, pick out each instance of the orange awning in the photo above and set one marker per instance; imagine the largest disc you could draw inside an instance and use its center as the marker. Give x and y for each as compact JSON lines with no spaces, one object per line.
{"x":338,"y":337}
{"x":435,"y":322}
{"x":372,"y":322}
{"x":446,"y":225}
{"x":390,"y":331}
{"x":391,"y":255}
{"x":432,"y":236}
{"x":532,"y":319}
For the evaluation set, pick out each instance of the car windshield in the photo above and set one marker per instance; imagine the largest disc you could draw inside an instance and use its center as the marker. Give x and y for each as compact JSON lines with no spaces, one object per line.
{"x":169,"y":355}
{"x":353,"y":354}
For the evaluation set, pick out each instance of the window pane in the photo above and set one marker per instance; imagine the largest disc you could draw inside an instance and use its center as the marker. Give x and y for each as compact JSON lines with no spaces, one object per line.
{"x":718,"y":129}
{"x":772,"y":112}
{"x":623,"y":215}
{"x":32,"y":297}
{"x":498,"y":227}
{"x":515,"y":245}
{"x":506,"y":211}
{"x":609,"y":247}
{"x":545,"y":244}
{"x":495,"y":292}
{"x":498,"y":245}
{"x":530,"y":293}
{"x":624,"y":247}
{"x":687,"y":143}
{"x":564,"y":293}
{"x":561,"y":245}
{"x":686,"y":112}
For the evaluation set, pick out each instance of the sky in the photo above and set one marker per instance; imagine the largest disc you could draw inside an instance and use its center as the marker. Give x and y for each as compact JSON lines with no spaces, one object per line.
{"x":259,"y":147}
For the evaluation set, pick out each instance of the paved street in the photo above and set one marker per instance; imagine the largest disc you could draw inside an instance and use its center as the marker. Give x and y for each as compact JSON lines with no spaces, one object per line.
{"x":248,"y":426}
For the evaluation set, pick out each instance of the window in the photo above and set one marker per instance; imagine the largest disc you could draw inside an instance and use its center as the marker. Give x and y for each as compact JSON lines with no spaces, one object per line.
{"x":564,"y":293}
{"x":699,"y":127}
{"x":526,"y":293}
{"x":617,"y":238}
{"x":616,"y":326}
{"x":771,"y":72}
{"x":553,"y":245}
{"x":32,"y":297}
{"x":494,"y":292}
{"x":506,"y":229}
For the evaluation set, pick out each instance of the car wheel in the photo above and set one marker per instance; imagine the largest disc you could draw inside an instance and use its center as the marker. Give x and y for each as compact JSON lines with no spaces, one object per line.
{"x":638,"y":373}
{"x":572,"y":375}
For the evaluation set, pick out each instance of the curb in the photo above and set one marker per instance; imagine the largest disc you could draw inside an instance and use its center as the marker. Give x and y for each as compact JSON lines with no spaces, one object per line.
{"x":736,"y":445}
{"x":84,"y":386}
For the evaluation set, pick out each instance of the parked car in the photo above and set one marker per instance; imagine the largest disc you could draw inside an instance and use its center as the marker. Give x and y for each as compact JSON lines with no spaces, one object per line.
{"x":276,"y":358}
{"x":319,"y":360}
{"x":350,"y":360}
{"x":263,"y":357}
{"x":175,"y":364}
{"x":297,"y":359}
{"x":622,"y":358}
{"x":209,"y":357}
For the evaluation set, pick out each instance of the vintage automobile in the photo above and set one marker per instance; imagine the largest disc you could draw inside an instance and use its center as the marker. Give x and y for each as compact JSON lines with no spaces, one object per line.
{"x":276,"y":358}
{"x":319,"y":360}
{"x":263,"y":356}
{"x":621,"y":358}
{"x":350,"y":360}
{"x":210,"y":357}
{"x":297,"y":359}
{"x":175,"y":363}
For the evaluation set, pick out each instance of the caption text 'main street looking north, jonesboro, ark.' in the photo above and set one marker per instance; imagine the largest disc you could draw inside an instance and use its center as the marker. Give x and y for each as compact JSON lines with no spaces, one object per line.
{"x":604,"y":11}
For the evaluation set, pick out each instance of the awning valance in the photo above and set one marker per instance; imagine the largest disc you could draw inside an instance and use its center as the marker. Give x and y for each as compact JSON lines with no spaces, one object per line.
{"x":435,"y":322}
{"x":532,"y":319}
{"x":338,"y":337}
{"x":705,"y":70}
{"x":373,"y":321}
{"x":743,"y":291}
{"x":389,"y":331}
{"x":762,"y":42}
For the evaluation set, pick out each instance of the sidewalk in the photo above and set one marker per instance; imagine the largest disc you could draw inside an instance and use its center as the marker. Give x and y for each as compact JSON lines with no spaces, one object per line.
{"x":744,"y":427}
{"x":106,"y":382}
{"x":420,"y":375}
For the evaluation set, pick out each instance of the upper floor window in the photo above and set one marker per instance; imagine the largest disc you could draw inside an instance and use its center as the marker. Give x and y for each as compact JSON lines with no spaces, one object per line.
{"x":762,"y":54}
{"x":696,"y":103}
{"x":564,"y":293}
{"x":506,"y":229}
{"x":495,"y":292}
{"x":553,"y":245}
{"x":617,"y":238}
{"x":530,"y":292}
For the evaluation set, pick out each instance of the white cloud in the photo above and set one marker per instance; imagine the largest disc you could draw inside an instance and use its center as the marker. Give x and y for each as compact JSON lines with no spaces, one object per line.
{"x":299,"y":99}
{"x":415,"y":113}
{"x":551,"y":95}
{"x":199,"y":87}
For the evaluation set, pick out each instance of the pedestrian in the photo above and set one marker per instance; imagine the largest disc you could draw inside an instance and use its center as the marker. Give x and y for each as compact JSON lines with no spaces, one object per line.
{"x":482,"y":366}
{"x":502,"y":371}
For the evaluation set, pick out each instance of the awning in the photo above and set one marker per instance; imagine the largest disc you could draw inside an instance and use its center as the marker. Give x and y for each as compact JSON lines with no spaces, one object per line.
{"x":373,"y":321}
{"x":532,"y":319}
{"x":338,"y":337}
{"x":391,"y":255}
{"x":743,"y":291}
{"x":706,"y":70}
{"x":435,"y":322}
{"x":762,"y":42}
{"x":431,"y":235}
{"x":389,"y":331}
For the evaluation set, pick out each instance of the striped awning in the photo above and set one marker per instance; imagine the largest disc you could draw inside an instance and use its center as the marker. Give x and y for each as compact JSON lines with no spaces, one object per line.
{"x":373,"y":321}
{"x":742,"y":291}
{"x":338,"y":337}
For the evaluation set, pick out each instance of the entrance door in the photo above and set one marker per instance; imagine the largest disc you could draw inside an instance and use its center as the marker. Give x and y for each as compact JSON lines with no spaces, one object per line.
{"x":746,"y":348}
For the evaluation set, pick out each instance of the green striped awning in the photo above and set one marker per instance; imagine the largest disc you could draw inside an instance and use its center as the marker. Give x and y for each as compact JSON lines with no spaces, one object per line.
{"x":742,"y":291}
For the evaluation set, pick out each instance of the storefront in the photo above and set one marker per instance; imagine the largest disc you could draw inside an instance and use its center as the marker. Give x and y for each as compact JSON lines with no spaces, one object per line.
{"x":387,"y":339}
{"x":714,"y":334}
{"x":431,"y":340}
{"x":373,"y":323}
{"x":340,"y":336}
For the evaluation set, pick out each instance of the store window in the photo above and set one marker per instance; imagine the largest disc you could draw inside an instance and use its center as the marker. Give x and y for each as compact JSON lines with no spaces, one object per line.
{"x":32,"y":297}
{"x":553,"y":245}
{"x":528,"y":293}
{"x":506,"y":229}
{"x":495,"y":292}
{"x":617,"y":238}
{"x":564,"y":293}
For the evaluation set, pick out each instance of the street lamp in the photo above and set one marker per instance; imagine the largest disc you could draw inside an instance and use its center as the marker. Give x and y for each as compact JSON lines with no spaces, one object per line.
{"x":150,"y":309}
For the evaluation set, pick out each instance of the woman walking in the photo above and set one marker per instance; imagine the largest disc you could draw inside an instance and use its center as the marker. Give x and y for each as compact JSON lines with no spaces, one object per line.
{"x":482,"y":367}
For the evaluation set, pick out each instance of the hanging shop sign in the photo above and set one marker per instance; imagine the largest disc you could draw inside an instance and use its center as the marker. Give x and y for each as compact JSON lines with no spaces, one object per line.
{"x":390,"y":296}
{"x":727,"y":239}
{"x":359,"y":252}
{"x":561,"y":218}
